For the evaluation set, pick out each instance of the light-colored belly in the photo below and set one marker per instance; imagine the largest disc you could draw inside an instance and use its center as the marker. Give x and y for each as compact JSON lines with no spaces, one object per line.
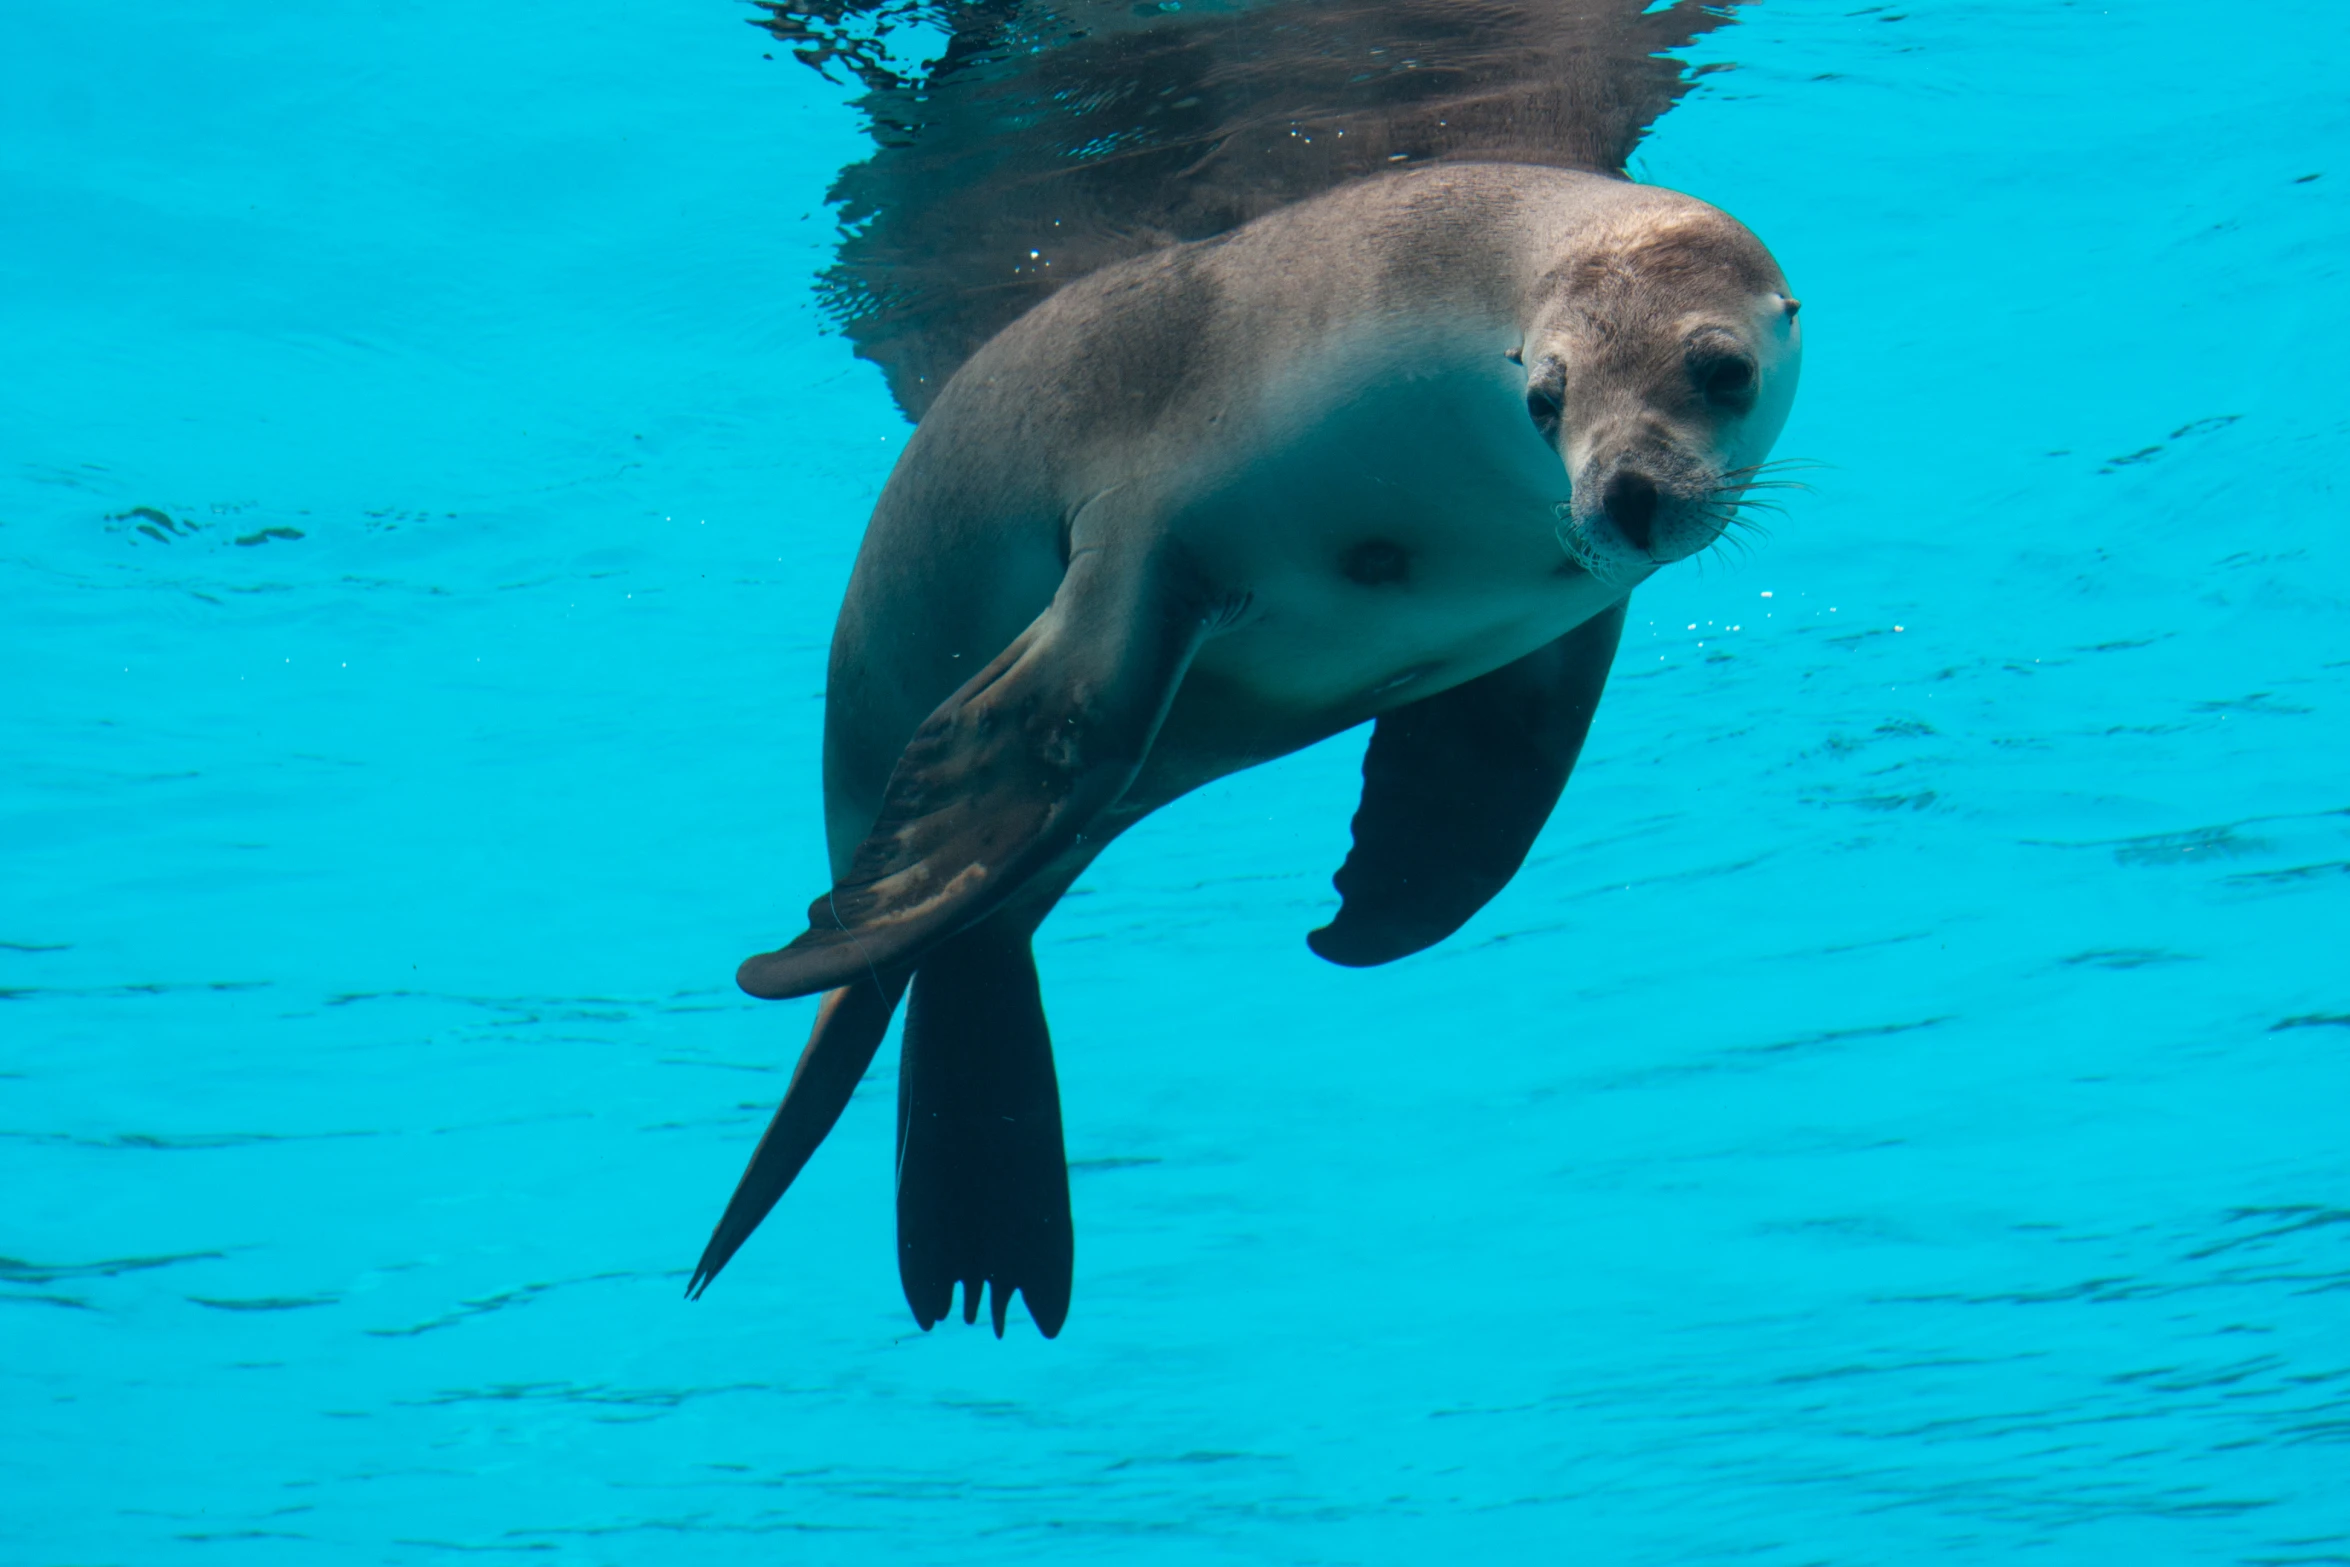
{"x":1315,"y":643}
{"x":1404,"y":545}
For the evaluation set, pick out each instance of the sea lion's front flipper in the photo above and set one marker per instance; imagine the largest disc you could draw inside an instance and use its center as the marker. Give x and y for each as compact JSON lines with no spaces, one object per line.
{"x":1006,"y":774}
{"x":1454,"y":790}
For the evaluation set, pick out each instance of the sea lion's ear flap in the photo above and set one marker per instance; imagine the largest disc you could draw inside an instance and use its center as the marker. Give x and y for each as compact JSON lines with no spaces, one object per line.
{"x":1455,"y":788}
{"x":1006,"y":774}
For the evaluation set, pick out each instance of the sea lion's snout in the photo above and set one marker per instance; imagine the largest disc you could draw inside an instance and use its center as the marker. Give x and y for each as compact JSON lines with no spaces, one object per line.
{"x":1636,"y":510}
{"x":1630,"y":501}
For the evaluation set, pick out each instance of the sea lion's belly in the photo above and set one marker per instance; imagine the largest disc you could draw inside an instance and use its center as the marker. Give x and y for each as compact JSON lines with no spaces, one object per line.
{"x":1400,"y":545}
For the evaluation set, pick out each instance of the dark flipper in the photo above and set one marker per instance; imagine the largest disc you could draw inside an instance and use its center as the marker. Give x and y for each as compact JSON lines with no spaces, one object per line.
{"x":983,"y":1192}
{"x":1455,"y":789}
{"x":1006,"y":774}
{"x":848,"y":1030}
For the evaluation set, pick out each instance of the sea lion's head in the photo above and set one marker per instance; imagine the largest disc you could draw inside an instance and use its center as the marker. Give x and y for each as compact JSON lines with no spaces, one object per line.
{"x":1660,"y":367}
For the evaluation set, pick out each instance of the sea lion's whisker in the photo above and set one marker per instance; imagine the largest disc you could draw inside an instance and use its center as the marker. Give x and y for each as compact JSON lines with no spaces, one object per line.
{"x":1776,"y":465}
{"x":1732,"y":523}
{"x":1733,"y":491}
{"x":1724,"y":542}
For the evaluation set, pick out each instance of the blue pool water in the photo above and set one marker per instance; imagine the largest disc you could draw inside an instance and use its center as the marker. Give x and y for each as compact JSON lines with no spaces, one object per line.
{"x":1898,"y":1115}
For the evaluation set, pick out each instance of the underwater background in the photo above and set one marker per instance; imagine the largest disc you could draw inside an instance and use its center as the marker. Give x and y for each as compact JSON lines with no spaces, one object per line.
{"x":1901,"y":1113}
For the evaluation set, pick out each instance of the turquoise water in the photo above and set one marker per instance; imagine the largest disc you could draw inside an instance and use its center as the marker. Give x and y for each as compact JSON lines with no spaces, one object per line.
{"x":1897,"y":1115}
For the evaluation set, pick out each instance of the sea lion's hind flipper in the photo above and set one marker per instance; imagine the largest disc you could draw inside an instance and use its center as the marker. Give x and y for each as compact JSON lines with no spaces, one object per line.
{"x":983,"y":1188}
{"x":1006,"y":774}
{"x":1455,"y":788}
{"x":848,"y":1030}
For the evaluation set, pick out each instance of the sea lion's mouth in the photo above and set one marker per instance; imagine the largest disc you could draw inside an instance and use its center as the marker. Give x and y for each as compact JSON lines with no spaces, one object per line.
{"x":1607,"y":566}
{"x":1597,"y":544}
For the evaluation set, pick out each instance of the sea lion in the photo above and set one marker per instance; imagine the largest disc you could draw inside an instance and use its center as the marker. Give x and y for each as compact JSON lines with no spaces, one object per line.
{"x":1396,"y":453}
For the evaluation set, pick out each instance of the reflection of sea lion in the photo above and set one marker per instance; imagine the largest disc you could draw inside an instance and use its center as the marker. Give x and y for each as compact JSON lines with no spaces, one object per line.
{"x":1197,"y":511}
{"x":1042,"y":140}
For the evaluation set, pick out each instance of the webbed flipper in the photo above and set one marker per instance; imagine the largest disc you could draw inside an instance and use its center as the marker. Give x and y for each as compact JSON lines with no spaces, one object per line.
{"x":1005,"y":775}
{"x":983,"y":1186}
{"x":849,"y":1027}
{"x":1455,"y":788}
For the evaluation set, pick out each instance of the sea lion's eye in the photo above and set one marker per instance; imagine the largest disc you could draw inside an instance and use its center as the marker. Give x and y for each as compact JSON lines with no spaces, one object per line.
{"x":1725,"y":380}
{"x":1542,"y":406}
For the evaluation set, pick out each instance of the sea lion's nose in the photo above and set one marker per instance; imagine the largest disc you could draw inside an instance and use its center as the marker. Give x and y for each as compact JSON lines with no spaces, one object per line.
{"x":1630,"y":503}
